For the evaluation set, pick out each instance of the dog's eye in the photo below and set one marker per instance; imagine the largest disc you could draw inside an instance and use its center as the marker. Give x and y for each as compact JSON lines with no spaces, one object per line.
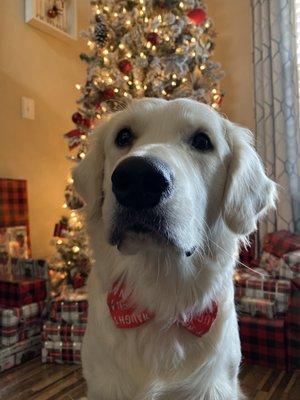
{"x":124,"y":138}
{"x":201,"y":141}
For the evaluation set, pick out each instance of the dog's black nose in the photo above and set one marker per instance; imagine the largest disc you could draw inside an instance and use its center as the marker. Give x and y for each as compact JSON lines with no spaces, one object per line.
{"x":141,"y":182}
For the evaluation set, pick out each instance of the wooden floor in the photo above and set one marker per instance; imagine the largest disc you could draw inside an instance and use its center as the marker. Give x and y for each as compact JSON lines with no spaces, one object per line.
{"x":36,"y":381}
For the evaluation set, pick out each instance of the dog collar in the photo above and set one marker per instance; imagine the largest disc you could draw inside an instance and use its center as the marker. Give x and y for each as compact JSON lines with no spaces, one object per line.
{"x":126,"y":314}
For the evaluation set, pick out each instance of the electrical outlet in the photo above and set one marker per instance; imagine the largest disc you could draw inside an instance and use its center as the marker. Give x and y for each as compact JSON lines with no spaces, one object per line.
{"x":27,"y":108}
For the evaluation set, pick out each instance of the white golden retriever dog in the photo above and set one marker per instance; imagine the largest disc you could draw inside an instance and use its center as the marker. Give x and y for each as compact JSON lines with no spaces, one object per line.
{"x":171,"y":188}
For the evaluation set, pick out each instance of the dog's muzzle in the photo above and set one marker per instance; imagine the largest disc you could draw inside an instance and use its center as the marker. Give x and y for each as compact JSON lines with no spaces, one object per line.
{"x":141,"y":182}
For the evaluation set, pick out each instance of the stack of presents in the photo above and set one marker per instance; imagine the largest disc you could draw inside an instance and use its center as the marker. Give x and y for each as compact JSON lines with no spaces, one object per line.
{"x":63,"y":331}
{"x":31,"y":323}
{"x":23,"y":287}
{"x":268,"y":303}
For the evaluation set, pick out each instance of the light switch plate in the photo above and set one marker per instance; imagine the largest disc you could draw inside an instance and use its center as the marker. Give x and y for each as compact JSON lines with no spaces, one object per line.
{"x":27,"y":108}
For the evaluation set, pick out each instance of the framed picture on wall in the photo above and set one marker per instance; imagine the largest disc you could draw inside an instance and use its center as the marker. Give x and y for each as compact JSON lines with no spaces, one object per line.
{"x":13,"y":243}
{"x":55,"y":17}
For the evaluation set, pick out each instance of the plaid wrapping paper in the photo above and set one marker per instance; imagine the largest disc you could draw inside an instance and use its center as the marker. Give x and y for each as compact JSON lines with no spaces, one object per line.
{"x":281,"y":242}
{"x":285,"y":267}
{"x":259,"y":307}
{"x":69,"y":311}
{"x":20,"y":352}
{"x":293,"y":327}
{"x":29,"y":268}
{"x":277,"y":291}
{"x":58,"y":332}
{"x":13,"y":317}
{"x":10,"y":336}
{"x":14,"y":204}
{"x":16,"y":292}
{"x":61,"y":352}
{"x":263,"y":341}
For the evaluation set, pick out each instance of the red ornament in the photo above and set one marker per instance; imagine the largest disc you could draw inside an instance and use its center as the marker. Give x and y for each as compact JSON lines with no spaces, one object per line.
{"x":78,"y":281}
{"x":77,"y":118}
{"x":74,"y":138}
{"x":108,"y":93}
{"x":53,"y":12}
{"x":125,"y":66}
{"x":87,"y":122}
{"x":198,"y":16}
{"x":153,"y":38}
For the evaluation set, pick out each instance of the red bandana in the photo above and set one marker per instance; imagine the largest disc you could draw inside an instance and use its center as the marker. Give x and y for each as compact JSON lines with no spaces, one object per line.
{"x":125,"y":315}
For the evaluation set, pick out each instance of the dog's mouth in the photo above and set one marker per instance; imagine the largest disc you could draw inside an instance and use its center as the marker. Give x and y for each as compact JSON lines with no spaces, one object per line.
{"x":133,"y":234}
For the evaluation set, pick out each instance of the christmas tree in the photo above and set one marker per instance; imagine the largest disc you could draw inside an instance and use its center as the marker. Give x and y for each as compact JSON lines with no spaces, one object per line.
{"x":137,"y":48}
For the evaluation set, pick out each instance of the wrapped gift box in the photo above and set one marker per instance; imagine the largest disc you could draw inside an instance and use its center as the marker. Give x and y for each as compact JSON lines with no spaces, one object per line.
{"x":273,"y":291}
{"x":14,"y":204}
{"x":293,"y":327}
{"x":29,"y":268}
{"x":281,"y":242}
{"x":16,"y":292}
{"x":61,"y":352}
{"x":62,"y":332}
{"x":10,"y":336}
{"x":263,"y":341}
{"x":20,"y":352}
{"x":71,"y":312}
{"x":257,"y":307}
{"x":287,"y":267}
{"x":18,"y":324}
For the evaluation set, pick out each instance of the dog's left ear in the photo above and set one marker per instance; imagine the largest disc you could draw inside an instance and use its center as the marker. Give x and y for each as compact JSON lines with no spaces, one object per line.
{"x":88,"y":175}
{"x":249,"y":193}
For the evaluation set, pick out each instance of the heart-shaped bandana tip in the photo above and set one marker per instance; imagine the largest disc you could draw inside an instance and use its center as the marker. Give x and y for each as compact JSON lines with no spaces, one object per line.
{"x":123,"y":311}
{"x":200,"y":323}
{"x":125,"y":314}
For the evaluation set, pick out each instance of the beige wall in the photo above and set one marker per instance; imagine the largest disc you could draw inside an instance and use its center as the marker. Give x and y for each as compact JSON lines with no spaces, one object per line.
{"x":36,"y":65}
{"x":233,"y":24}
{"x":39,"y":66}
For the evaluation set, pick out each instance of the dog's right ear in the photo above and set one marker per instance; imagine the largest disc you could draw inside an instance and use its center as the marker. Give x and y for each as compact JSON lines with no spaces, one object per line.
{"x":88,"y":175}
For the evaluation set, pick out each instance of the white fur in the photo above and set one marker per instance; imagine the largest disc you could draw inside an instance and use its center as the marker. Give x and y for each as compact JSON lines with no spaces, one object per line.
{"x":217,"y":199}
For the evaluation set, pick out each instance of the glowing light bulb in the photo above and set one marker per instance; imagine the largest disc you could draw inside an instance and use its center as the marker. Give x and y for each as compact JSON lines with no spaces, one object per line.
{"x":174,"y":76}
{"x":121,"y":46}
{"x":64,"y":205}
{"x":116,"y":90}
{"x":110,"y":80}
{"x":214,"y":105}
{"x":126,"y":78}
{"x":193,"y":40}
{"x":78,"y":87}
{"x":194,"y":54}
{"x":184,"y":80}
{"x":173,"y":83}
{"x":214,"y":91}
{"x":83,"y":137}
{"x":129,"y":55}
{"x":59,"y":241}
{"x":105,"y":51}
{"x":153,"y":48}
{"x":207,"y":24}
{"x":82,"y":155}
{"x":75,"y":249}
{"x":181,"y":5}
{"x":164,"y":92}
{"x":148,"y":45}
{"x":202,"y":67}
{"x":125,"y":94}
